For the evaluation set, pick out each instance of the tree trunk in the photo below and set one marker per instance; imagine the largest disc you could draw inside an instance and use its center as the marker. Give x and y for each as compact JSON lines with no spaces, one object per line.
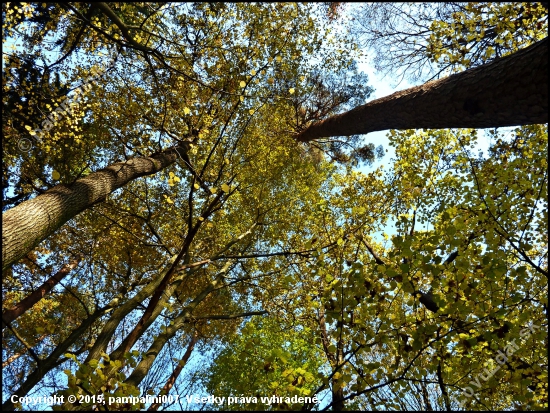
{"x":338,"y":403}
{"x":24,"y":305}
{"x":164,"y":289}
{"x":104,"y":337}
{"x":335,"y":360}
{"x":52,"y":360}
{"x":127,"y":344}
{"x":510,"y":91}
{"x":23,"y":351}
{"x":158,"y":344}
{"x":154,"y":349}
{"x":29,"y":223}
{"x":337,"y":399}
{"x":173,"y":377}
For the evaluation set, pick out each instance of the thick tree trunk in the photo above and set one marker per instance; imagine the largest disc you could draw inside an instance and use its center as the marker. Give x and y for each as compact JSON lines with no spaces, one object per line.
{"x":510,"y":91}
{"x":24,"y":305}
{"x":32,"y":221}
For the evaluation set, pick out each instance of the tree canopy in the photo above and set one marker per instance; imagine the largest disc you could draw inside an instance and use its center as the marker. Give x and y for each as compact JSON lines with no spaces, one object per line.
{"x":192,"y":219}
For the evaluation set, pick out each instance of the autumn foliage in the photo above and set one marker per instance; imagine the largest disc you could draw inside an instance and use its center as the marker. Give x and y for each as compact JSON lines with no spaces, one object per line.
{"x":170,"y":235}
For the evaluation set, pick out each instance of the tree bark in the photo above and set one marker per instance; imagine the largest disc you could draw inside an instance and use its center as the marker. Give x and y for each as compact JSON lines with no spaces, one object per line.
{"x":24,"y":305}
{"x":29,"y":223}
{"x":510,"y":91}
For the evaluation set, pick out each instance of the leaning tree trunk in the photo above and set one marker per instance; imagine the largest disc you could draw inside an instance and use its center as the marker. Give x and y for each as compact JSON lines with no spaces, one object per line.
{"x":510,"y":91}
{"x":24,"y":305}
{"x":26,"y":225}
{"x":52,"y":361}
{"x":173,"y":377}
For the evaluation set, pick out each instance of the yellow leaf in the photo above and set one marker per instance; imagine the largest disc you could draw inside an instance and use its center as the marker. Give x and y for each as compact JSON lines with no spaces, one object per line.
{"x":213,"y":190}
{"x":28,"y":127}
{"x":201,"y":219}
{"x":251,"y":111}
{"x":279,"y":58}
{"x":186,"y":110}
{"x":225,"y":188}
{"x":169,"y":200}
{"x":171,"y":174}
{"x":196,"y":186}
{"x":243,"y":84}
{"x":291,"y":90}
{"x":226,"y":161}
{"x":176,"y":179}
{"x":55,"y":175}
{"x":252,"y":72}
